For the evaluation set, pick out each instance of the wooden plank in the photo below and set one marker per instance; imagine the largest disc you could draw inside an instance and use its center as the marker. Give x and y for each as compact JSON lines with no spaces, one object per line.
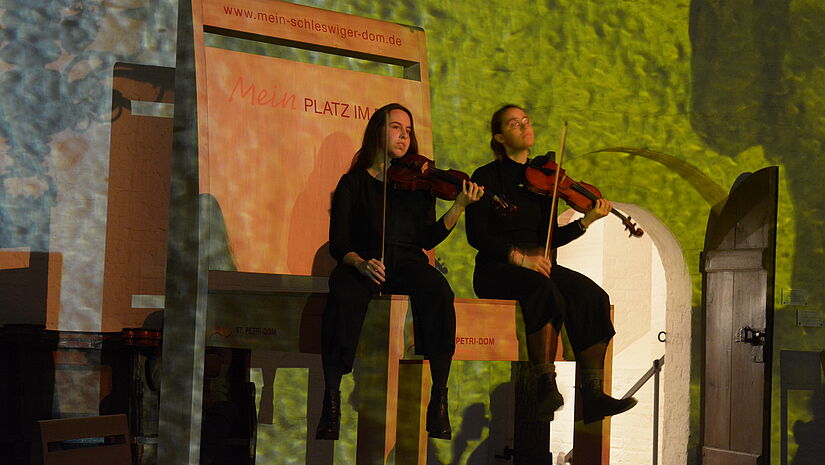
{"x":137,"y":216}
{"x":755,"y":225}
{"x":413,"y":397}
{"x":281,"y":312}
{"x":747,"y":383}
{"x":66,"y":429}
{"x":733,"y":260}
{"x":85,"y":427}
{"x":30,"y":287}
{"x":488,"y":329}
{"x":718,"y":341}
{"x":378,"y":353}
{"x":12,"y":259}
{"x":714,"y":456}
{"x":315,"y":26}
{"x":531,"y":437}
{"x":740,"y":246}
{"x":252,"y":283}
{"x":297,"y":95}
{"x":287,"y":322}
{"x":608,"y":389}
{"x":186,"y":270}
{"x":591,"y":442}
{"x":108,"y":454}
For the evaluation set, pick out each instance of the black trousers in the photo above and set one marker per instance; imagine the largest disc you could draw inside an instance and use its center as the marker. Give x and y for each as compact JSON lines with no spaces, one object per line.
{"x":567,"y":297}
{"x":432,"y":305}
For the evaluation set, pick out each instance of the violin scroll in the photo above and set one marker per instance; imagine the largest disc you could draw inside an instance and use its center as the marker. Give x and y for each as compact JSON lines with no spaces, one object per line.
{"x":631,"y":227}
{"x":541,"y":179}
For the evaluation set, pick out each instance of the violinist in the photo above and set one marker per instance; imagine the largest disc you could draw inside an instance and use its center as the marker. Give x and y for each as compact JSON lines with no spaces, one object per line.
{"x":511,"y":264}
{"x":356,"y":243}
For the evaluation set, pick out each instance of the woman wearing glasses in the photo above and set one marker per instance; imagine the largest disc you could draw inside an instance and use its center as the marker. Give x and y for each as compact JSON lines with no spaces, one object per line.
{"x":510,"y":264}
{"x":355,"y":232}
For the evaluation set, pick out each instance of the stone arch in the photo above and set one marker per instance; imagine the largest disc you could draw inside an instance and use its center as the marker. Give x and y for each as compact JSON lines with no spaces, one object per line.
{"x":650,"y":287}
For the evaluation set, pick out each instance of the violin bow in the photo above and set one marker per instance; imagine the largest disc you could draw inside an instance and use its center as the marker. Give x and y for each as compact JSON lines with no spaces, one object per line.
{"x":555,"y":190}
{"x":386,"y":162}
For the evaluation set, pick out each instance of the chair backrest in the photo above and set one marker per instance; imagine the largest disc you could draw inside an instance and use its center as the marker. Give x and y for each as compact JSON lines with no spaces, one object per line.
{"x":86,"y":441}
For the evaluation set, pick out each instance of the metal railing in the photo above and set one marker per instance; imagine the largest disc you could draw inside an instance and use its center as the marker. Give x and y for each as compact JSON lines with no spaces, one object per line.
{"x":653,"y":372}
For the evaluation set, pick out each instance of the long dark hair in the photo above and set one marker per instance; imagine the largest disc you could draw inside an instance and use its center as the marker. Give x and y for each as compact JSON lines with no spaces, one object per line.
{"x":495,"y":128}
{"x":375,"y":137}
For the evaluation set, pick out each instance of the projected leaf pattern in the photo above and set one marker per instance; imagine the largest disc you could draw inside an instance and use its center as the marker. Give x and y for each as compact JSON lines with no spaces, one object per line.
{"x":726,"y":87}
{"x":56,"y":61}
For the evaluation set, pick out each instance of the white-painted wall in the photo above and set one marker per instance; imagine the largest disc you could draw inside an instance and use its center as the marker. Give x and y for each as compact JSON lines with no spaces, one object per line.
{"x":649,"y":287}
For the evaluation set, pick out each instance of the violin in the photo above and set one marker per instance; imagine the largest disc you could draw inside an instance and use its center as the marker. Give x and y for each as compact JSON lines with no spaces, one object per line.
{"x":540,"y":176}
{"x":417,"y":172}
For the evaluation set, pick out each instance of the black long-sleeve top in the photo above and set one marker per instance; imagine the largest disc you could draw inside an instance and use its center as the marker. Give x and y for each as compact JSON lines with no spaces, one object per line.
{"x":493,"y":234}
{"x":355,"y":218}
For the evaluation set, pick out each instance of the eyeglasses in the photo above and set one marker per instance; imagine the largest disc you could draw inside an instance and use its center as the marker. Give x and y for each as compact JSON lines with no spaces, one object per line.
{"x":519,"y":124}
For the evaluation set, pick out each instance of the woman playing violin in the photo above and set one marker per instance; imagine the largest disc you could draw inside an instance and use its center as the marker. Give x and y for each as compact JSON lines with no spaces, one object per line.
{"x":356,"y":243}
{"x":511,"y":264}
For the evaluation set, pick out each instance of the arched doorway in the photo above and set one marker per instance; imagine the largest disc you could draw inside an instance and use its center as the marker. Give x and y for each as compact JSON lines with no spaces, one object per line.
{"x":650,"y":288}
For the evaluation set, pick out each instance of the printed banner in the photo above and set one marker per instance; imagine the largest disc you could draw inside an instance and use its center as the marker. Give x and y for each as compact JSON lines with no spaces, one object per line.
{"x":280,"y":135}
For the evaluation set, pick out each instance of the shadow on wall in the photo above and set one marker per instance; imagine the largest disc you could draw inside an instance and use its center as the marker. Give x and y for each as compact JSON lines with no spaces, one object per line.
{"x":470,"y":428}
{"x":809,"y":434}
{"x":54,"y":86}
{"x":308,"y":229}
{"x":752,"y":86}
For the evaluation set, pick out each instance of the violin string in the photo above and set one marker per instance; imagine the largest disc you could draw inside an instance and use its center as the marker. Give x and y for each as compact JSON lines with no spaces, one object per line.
{"x":584,"y":191}
{"x":555,"y":191}
{"x":591,"y":196}
{"x":456,"y":181}
{"x":384,"y":200}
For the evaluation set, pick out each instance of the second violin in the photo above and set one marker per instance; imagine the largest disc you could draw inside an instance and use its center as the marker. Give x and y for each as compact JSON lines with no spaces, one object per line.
{"x":541,"y":177}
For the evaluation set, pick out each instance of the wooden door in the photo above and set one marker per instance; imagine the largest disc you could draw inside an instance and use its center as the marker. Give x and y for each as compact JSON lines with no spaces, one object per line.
{"x":738,"y":296}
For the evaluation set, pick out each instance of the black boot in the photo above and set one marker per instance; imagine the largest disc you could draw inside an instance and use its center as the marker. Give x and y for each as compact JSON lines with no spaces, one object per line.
{"x":548,"y":397}
{"x":596,"y":404}
{"x":438,"y":416}
{"x":330,"y":421}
